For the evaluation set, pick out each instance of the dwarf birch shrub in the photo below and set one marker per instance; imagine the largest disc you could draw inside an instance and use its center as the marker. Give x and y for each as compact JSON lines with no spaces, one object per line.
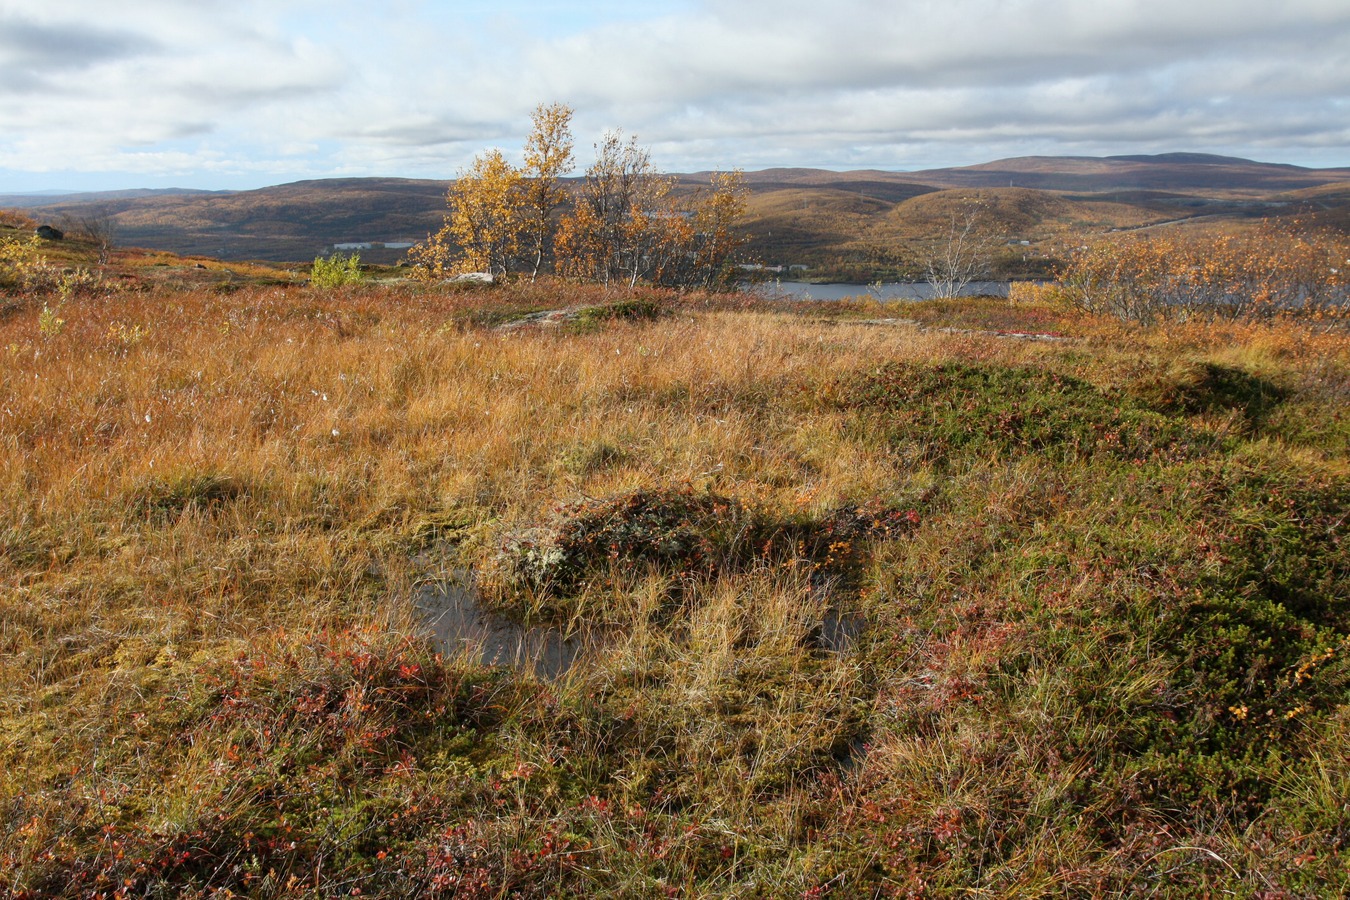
{"x":20,"y":262}
{"x":336,"y":271}
{"x":1276,"y":271}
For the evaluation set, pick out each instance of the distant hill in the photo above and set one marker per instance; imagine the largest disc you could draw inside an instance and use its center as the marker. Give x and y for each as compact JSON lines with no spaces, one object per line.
{"x":67,"y":198}
{"x":286,"y":223}
{"x":1033,"y":203}
{"x":1175,"y":172}
{"x":861,"y":223}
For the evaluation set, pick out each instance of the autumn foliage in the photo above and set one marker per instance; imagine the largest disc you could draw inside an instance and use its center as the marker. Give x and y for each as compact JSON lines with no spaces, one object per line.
{"x":1271,"y":272}
{"x":625,"y":223}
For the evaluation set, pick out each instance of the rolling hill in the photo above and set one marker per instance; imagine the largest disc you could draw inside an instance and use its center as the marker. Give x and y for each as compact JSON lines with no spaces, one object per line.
{"x":850,"y":225}
{"x":286,"y":223}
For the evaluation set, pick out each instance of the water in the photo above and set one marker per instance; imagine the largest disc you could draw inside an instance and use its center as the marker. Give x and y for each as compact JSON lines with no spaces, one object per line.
{"x":839,"y":631}
{"x":454,"y":611}
{"x":917,"y":290}
{"x":461,"y":625}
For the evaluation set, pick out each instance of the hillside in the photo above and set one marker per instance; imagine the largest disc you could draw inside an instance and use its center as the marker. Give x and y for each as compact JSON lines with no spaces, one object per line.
{"x":861,"y":225}
{"x":286,"y":223}
{"x":1191,"y":173}
{"x":1327,"y":205}
{"x":49,"y":199}
{"x":1041,"y":200}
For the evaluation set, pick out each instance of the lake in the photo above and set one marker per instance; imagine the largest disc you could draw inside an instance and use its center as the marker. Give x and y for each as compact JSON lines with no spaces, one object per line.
{"x":920,"y":290}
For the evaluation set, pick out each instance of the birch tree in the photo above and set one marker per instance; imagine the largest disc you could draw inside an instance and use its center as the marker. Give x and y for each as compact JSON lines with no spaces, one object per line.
{"x":548,"y":157}
{"x":626,"y":223}
{"x":482,"y":232}
{"x":609,"y":234}
{"x":964,"y":252}
{"x":715,"y":217}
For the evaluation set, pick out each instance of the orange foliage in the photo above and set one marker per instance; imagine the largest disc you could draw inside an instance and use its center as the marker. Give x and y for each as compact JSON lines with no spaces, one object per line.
{"x":485,"y":222}
{"x":1277,"y":271}
{"x":548,"y":157}
{"x":624,"y":225}
{"x":16,"y":219}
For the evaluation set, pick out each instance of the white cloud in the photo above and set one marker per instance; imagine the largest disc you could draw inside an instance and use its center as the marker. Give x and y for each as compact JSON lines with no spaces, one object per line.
{"x":416,"y":87}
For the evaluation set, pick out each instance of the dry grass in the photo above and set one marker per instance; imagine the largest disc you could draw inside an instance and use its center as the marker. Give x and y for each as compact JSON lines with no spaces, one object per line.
{"x":215,"y":509}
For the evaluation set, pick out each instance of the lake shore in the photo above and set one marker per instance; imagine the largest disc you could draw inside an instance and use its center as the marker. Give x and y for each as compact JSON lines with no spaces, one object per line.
{"x":901,"y":290}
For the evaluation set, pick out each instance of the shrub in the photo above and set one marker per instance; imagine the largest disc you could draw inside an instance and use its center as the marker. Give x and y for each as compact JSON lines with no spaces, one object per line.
{"x":50,"y":323}
{"x":336,"y":271}
{"x":1029,"y":292}
{"x":1276,"y":271}
{"x":24,"y":268}
{"x":958,"y":407}
{"x":20,"y":258}
{"x":16,"y":219}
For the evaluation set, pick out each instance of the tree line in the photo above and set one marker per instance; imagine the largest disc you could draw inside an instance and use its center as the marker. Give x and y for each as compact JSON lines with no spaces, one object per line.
{"x":624,"y":223}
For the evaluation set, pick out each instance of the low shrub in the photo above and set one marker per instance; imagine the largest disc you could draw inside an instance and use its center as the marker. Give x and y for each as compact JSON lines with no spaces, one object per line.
{"x":336,"y":271}
{"x":689,"y":536}
{"x":938,"y":410}
{"x":1273,"y":272}
{"x":635,"y":310}
{"x":1192,"y":387}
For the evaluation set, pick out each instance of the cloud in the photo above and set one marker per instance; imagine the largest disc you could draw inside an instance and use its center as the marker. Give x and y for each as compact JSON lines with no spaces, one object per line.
{"x":165,"y":73}
{"x":417,"y":87}
{"x":426,"y":133}
{"x":48,"y":47}
{"x":754,"y":48}
{"x":969,"y":72}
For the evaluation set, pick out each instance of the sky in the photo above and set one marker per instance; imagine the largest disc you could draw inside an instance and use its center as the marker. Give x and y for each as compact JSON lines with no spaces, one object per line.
{"x":233,"y":94}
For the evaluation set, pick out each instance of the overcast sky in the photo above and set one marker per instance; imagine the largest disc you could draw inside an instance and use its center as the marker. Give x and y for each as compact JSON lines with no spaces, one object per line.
{"x":238,"y":93}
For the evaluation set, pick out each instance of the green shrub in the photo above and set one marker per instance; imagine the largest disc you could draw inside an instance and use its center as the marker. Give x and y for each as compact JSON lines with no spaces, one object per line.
{"x":336,"y":271}
{"x":957,"y":408}
{"x":636,"y":310}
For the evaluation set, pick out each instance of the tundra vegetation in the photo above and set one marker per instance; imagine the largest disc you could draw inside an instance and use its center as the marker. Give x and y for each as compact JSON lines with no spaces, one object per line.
{"x":336,"y":271}
{"x":1276,"y":270}
{"x":870,"y":600}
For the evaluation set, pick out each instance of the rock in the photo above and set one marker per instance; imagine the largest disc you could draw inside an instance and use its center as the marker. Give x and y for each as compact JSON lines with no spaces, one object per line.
{"x":472,"y":278}
{"x":50,"y":233}
{"x":544,"y":319}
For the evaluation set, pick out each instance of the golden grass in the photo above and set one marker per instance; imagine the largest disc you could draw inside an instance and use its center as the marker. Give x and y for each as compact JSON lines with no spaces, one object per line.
{"x":324,"y":437}
{"x":244,"y":489}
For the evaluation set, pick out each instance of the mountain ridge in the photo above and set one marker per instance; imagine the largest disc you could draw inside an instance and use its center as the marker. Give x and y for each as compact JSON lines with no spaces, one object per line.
{"x":813,"y":212}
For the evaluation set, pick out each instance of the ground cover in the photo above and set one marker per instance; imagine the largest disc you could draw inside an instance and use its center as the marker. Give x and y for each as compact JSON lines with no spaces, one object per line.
{"x":870,"y":611}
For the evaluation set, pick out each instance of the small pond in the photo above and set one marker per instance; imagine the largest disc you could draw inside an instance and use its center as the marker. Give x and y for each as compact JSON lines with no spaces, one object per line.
{"x":460,"y":624}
